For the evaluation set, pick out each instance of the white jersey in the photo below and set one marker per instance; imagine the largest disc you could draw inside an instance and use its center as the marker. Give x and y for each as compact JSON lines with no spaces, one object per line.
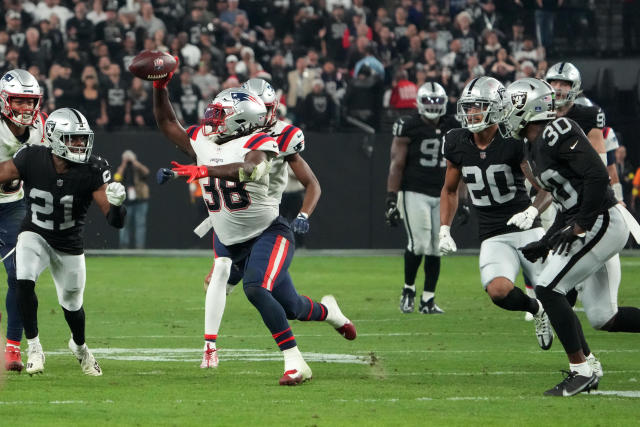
{"x":237,"y":211}
{"x":610,"y":139}
{"x":9,"y":145}
{"x":290,"y":140}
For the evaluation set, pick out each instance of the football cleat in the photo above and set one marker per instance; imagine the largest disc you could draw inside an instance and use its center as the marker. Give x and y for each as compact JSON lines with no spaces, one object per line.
{"x":230,"y":288}
{"x":528,"y":317}
{"x":338,"y":320}
{"x":296,"y":376}
{"x":429,"y":307}
{"x":407,"y":300}
{"x":210,"y":356}
{"x":88,"y":363}
{"x":35,"y":360}
{"x":544,"y":332}
{"x":573,"y":384}
{"x":12,"y":358}
{"x":595,"y":365}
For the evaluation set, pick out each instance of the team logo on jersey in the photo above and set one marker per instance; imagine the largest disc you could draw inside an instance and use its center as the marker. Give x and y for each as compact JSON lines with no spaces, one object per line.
{"x":298,"y":146}
{"x":158,"y":63}
{"x":59,"y":183}
{"x":49,"y":127}
{"x":519,"y":100}
{"x":483,"y":155}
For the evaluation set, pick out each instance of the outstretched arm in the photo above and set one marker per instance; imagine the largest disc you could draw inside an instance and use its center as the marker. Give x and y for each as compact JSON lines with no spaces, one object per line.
{"x":254,"y":167}
{"x":166,"y":118}
{"x":8,"y":171}
{"x":307,"y":178}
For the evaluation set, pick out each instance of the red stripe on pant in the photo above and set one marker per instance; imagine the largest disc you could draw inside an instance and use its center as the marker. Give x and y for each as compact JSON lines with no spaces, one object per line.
{"x":280,"y":333}
{"x":275,"y":265}
{"x":311,"y":308}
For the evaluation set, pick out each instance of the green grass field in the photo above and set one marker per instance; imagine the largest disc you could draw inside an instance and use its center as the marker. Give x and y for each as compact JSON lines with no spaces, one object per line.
{"x":475,"y":365}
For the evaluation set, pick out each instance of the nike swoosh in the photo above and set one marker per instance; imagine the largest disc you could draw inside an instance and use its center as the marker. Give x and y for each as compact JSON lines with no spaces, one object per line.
{"x":574,"y":145}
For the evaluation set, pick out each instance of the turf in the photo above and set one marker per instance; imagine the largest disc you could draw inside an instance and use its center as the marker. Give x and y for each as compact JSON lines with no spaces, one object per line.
{"x":477,"y":364}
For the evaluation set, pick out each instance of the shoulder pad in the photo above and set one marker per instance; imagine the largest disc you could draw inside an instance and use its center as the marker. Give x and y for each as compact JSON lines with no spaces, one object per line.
{"x":192,"y":131}
{"x":402,"y":125}
{"x":259,"y":141}
{"x":290,"y":136}
{"x":98,"y":163}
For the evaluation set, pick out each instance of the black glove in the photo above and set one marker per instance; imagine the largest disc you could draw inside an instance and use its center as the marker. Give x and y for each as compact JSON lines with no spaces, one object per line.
{"x":391,"y":213}
{"x":535,"y":250}
{"x":562,"y":240}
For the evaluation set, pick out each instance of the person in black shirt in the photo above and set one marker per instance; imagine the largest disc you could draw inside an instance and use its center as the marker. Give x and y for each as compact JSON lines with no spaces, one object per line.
{"x":60,"y":182}
{"x":589,"y":230}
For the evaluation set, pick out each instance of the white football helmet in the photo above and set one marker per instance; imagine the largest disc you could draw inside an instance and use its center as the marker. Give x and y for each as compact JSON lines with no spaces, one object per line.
{"x":234,"y":112}
{"x":481,"y":104}
{"x":69,"y":135}
{"x":431,"y":100}
{"x":20,"y":84}
{"x":267,"y":93}
{"x":565,"y":71}
{"x":528,"y":100}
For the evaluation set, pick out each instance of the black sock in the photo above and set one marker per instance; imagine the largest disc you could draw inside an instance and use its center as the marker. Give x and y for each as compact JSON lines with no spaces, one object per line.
{"x":431,"y":272}
{"x":562,"y":318}
{"x":516,"y":300}
{"x":585,"y":347}
{"x":76,"y":322}
{"x":572,"y":297}
{"x":626,"y":320}
{"x":411,"y":264}
{"x":28,"y":303}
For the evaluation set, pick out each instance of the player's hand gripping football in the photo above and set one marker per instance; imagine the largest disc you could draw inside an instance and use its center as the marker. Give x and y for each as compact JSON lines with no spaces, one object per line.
{"x":562,"y":240}
{"x":536,"y":250}
{"x":192,"y":171}
{"x":391,"y":213}
{"x":115,"y":193}
{"x":300,"y":224}
{"x":524,"y":220}
{"x":162,"y":83}
{"x":165,"y":174}
{"x":446,"y":245}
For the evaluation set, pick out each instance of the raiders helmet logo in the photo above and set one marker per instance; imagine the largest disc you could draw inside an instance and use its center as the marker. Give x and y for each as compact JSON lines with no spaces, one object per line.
{"x":519,"y":100}
{"x":49,"y":127}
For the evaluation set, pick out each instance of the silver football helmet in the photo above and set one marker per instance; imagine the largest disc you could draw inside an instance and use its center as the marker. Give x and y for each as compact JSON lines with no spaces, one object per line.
{"x":20,"y":84}
{"x":583,"y":100}
{"x":69,"y":135}
{"x":267,"y":93}
{"x":481,"y":104}
{"x":431,"y":100}
{"x":565,"y":71}
{"x":234,"y":112}
{"x":529,"y":100}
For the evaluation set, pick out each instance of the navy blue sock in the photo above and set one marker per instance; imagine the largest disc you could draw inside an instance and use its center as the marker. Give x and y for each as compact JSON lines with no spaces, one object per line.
{"x":431,"y":272}
{"x":273,"y":315}
{"x":411,"y":265}
{"x":311,"y":310}
{"x":14,"y":319}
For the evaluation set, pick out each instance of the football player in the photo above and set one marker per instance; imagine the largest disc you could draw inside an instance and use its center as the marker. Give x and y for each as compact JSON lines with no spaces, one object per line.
{"x":233,"y":159}
{"x":22,"y":123}
{"x":416,"y":175}
{"x":493,"y":169}
{"x":291,"y":142}
{"x":589,"y":230}
{"x":60,"y":183}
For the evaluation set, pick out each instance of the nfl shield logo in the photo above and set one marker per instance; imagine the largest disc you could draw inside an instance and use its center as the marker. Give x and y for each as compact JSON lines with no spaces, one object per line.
{"x":158,"y":63}
{"x":483,"y":155}
{"x":59,"y":183}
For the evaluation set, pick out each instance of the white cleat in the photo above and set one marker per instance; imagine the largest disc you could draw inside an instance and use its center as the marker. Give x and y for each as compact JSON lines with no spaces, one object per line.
{"x":595,"y":365}
{"x":88,"y":363}
{"x":338,"y":320}
{"x":528,"y":317}
{"x":210,"y":356}
{"x":544,"y":332}
{"x":35,"y":360}
{"x":297,"y":375}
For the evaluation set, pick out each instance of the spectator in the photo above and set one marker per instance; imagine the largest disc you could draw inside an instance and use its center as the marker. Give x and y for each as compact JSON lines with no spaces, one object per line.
{"x":545,"y":11}
{"x":444,"y":35}
{"x":386,"y":49}
{"x":186,"y":97}
{"x":140,"y":106}
{"x":468,"y":38}
{"x":400,"y":22}
{"x":66,"y":91}
{"x":279,"y":75}
{"x":228,"y":17}
{"x":529,"y":52}
{"x":81,"y":27}
{"x":206,"y":81}
{"x":46,"y":8}
{"x":454,"y":60}
{"x":51,"y":39}
{"x":363,"y":100}
{"x":190,"y":53}
{"x":114,"y":98}
{"x":430,"y":65}
{"x":133,"y":174}
{"x":516,"y":39}
{"x":31,"y":53}
{"x":488,"y":20}
{"x":148,"y":21}
{"x":267,"y":46}
{"x":13,"y":27}
{"x":318,"y":108}
{"x":357,"y":52}
{"x":35,"y":72}
{"x":299,"y":86}
{"x":90,"y":104}
{"x":334,"y":82}
{"x":97,"y":14}
{"x":111,"y":31}
{"x":313,"y":62}
{"x":541,"y":72}
{"x":503,"y":69}
{"x":527,"y":69}
{"x":625,"y":173}
{"x":370,"y":61}
{"x":331,"y":34}
{"x":490,"y":48}
{"x":474,"y":69}
{"x":403,"y":92}
{"x":74,"y":57}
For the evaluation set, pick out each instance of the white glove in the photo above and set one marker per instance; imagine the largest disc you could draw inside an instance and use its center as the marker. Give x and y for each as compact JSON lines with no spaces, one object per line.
{"x":115,"y":193}
{"x":617,"y":190}
{"x":524,"y":220}
{"x":446,"y":244}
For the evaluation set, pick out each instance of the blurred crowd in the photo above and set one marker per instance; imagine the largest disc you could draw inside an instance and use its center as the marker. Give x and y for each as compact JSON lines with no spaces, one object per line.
{"x":329,"y":59}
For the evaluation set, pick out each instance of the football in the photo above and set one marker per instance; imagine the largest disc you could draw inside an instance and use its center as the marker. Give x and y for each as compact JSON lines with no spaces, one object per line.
{"x":152,"y":65}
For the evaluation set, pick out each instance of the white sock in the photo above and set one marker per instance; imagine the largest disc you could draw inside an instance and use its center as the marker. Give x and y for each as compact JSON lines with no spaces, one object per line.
{"x":292,"y":358}
{"x":216,"y":297}
{"x":530,"y":292}
{"x":426,"y":296}
{"x":590,"y":356}
{"x":412,"y":287}
{"x":34,"y":342}
{"x":581,"y":368}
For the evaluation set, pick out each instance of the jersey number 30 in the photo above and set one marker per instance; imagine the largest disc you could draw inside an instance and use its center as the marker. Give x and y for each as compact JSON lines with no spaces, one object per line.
{"x":234,"y":195}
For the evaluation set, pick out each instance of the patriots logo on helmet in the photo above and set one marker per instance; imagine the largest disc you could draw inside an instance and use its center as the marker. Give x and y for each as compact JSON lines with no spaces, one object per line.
{"x":519,"y":100}
{"x":158,"y":63}
{"x":241,"y":96}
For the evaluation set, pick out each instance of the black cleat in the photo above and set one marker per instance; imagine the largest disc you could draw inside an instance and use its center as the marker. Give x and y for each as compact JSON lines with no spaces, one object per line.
{"x":573,"y":384}
{"x":429,"y":307}
{"x":407,"y":303}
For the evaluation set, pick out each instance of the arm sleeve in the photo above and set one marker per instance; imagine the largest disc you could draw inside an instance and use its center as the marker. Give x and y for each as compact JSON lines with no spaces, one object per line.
{"x":20,"y":159}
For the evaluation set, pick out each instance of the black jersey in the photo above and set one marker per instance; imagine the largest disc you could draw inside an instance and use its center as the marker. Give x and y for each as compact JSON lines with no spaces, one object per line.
{"x":425,"y":166}
{"x":493,"y":177}
{"x":566,"y":165}
{"x":57,"y":203}
{"x":587,"y":117}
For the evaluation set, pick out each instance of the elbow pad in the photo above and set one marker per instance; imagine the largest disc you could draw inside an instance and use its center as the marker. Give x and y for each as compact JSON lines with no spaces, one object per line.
{"x":115,"y":216}
{"x":258,"y":172}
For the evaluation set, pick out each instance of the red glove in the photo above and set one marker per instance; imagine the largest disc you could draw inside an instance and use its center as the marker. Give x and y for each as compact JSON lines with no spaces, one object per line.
{"x":192,"y":171}
{"x":162,"y":83}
